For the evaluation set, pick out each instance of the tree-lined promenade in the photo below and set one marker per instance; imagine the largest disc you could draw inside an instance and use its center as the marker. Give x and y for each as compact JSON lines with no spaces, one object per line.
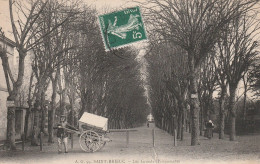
{"x":140,"y":150}
{"x":196,"y":48}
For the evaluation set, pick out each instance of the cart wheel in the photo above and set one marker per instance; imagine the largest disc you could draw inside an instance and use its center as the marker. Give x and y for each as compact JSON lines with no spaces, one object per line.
{"x":89,"y":141}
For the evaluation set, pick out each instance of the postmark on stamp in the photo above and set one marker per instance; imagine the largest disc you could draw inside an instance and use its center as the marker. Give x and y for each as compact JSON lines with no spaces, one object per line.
{"x":122,"y":28}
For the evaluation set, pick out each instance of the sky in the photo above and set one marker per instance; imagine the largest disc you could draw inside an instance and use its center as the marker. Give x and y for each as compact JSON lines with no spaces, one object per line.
{"x":114,"y":4}
{"x":4,"y":18}
{"x":101,"y":6}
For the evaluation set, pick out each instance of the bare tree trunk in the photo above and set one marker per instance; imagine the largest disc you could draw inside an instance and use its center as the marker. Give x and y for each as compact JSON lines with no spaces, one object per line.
{"x":160,"y":123}
{"x":52,"y":114}
{"x":201,"y":121}
{"x":194,"y":102}
{"x":43,"y":113}
{"x":13,"y":96}
{"x":245,"y":97}
{"x":222,"y":122}
{"x":187,"y":127}
{"x":190,"y":123}
{"x":183,"y":122}
{"x":187,"y":116}
{"x":168,"y":125}
{"x":171,"y":125}
{"x":62,"y":94}
{"x":232,"y":116}
{"x":222,"y":113}
{"x":36,"y":130}
{"x":184,"y":116}
{"x":72,"y":103}
{"x":11,"y":128}
{"x":28,"y":112}
{"x":179,"y":124}
{"x":51,"y":123}
{"x":83,"y":103}
{"x":26,"y":122}
{"x":36,"y":123}
{"x":54,"y":82}
{"x":244,"y":107}
{"x":180,"y":120}
{"x":63,"y":102}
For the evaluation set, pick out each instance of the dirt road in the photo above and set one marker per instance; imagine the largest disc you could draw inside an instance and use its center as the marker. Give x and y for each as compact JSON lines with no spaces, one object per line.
{"x":140,"y":150}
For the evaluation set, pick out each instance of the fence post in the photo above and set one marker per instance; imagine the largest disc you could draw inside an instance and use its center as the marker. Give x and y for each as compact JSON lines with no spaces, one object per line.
{"x":40,"y":141}
{"x":127,"y":138}
{"x":153,"y":134}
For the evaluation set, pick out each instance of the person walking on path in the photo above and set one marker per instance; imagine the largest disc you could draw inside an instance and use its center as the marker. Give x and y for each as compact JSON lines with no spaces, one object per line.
{"x":209,"y":129}
{"x":62,"y":133}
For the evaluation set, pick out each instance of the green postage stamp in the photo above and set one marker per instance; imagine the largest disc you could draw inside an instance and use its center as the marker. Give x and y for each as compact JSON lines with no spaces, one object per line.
{"x":122,"y":28}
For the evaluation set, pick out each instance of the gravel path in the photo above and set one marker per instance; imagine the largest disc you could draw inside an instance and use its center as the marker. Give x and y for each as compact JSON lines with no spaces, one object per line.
{"x":246,"y":149}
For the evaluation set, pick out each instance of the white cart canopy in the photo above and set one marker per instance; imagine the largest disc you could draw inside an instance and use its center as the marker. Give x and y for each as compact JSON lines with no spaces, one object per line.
{"x":94,"y":121}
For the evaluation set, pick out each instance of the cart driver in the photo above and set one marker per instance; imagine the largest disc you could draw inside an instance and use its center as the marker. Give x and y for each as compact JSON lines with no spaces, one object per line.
{"x":62,"y":133}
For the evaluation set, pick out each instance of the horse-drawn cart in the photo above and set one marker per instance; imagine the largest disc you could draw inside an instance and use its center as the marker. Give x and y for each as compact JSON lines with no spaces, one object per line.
{"x":92,"y":130}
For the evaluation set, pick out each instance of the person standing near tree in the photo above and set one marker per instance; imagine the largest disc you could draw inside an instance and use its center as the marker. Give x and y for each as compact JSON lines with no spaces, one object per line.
{"x":62,"y":133}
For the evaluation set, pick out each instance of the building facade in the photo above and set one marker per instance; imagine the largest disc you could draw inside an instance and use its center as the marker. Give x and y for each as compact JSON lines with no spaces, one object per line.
{"x":9,"y":45}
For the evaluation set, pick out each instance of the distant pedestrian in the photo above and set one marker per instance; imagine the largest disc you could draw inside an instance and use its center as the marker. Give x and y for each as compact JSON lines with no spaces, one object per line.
{"x":147,"y":124}
{"x":62,"y":133}
{"x":209,"y":129}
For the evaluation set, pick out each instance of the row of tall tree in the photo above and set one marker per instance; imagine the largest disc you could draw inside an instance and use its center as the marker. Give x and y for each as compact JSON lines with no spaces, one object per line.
{"x":198,"y":47}
{"x":63,"y":42}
